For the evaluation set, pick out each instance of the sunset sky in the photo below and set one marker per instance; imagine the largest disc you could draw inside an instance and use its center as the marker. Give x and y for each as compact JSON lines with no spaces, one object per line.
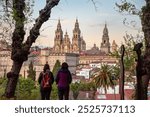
{"x":91,"y":21}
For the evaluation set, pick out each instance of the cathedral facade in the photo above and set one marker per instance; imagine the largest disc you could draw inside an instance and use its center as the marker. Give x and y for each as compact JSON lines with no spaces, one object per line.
{"x":63,"y":44}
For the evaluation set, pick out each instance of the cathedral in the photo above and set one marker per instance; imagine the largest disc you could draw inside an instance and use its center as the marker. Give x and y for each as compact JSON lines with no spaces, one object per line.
{"x":62,"y":43}
{"x":73,"y":51}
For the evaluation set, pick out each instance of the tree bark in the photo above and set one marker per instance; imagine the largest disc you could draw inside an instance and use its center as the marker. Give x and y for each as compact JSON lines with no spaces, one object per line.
{"x":139,"y":71}
{"x":20,"y":50}
{"x":12,"y":76}
{"x":145,"y":82}
{"x":145,"y":20}
{"x":121,"y":80}
{"x":16,"y":55}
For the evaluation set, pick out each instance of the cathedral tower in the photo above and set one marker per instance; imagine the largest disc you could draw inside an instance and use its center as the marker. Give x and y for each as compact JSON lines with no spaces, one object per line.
{"x":76,"y":40}
{"x":83,"y":44}
{"x":114,"y":46}
{"x":66,"y":43}
{"x":58,"y":38}
{"x":105,"y":45}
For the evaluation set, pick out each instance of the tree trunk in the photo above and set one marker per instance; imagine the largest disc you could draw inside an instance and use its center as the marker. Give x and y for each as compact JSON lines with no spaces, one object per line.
{"x":139,"y":72}
{"x":12,"y":80}
{"x":20,"y":50}
{"x":145,"y":20}
{"x":121,"y":80}
{"x":145,"y":82}
{"x":17,"y":53}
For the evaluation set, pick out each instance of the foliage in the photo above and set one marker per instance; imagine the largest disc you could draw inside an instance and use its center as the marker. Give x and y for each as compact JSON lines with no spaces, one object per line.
{"x":3,"y":82}
{"x":75,"y":87}
{"x":115,"y":73}
{"x":83,"y":86}
{"x":54,"y":92}
{"x":87,"y":86}
{"x":6,"y":18}
{"x":128,"y":7}
{"x":25,"y":89}
{"x":56,"y":68}
{"x":104,"y":77}
{"x":31,"y":72}
{"x":130,"y":56}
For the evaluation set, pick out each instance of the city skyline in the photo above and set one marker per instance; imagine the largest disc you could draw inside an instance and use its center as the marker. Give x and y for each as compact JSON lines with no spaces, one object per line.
{"x":91,"y":21}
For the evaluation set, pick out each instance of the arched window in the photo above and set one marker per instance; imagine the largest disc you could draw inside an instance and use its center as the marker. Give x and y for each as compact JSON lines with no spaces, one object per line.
{"x":104,"y":41}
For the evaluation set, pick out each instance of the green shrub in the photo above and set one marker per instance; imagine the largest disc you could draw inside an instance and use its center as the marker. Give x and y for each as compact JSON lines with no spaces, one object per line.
{"x":3,"y":82}
{"x":25,"y":89}
{"x":54,"y":92}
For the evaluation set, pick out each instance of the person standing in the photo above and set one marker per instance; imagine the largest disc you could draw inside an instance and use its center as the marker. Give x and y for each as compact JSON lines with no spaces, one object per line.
{"x":63,"y":80}
{"x":46,"y":80}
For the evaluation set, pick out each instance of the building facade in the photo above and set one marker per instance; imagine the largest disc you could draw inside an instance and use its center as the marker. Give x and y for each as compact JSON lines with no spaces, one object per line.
{"x":65,"y":50}
{"x":97,"y":55}
{"x":5,"y":58}
{"x":5,"y":62}
{"x":62,"y":44}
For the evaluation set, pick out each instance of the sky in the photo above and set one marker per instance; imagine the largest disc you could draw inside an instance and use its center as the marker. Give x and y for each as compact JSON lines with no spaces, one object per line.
{"x":91,"y":21}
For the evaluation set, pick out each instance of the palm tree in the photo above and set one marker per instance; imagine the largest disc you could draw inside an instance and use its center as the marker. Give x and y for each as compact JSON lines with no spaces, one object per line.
{"x":104,"y":77}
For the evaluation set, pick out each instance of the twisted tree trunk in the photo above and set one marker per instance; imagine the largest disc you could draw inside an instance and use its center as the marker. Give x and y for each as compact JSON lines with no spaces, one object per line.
{"x":20,"y":50}
{"x":121,"y":80}
{"x":139,"y":72}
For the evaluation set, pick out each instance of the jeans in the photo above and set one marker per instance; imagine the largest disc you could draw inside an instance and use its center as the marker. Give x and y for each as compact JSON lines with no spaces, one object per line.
{"x":63,"y":93}
{"x":45,"y":94}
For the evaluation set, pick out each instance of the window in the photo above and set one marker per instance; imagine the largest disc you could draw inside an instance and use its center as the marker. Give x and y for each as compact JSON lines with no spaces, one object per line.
{"x":104,"y":41}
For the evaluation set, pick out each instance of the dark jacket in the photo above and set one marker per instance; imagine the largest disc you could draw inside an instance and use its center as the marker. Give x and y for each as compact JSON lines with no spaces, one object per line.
{"x":63,"y":78}
{"x":41,"y":77}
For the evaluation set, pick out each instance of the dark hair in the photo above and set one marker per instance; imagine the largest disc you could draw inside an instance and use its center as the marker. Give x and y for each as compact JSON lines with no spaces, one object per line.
{"x":46,"y":67}
{"x":64,"y":65}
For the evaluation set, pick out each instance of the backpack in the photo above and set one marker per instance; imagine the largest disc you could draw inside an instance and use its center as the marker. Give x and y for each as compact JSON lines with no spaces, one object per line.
{"x":46,"y":81}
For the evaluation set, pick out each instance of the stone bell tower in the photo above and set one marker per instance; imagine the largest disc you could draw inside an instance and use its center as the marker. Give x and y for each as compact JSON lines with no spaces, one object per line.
{"x":105,"y":45}
{"x":58,"y":38}
{"x":76,"y":40}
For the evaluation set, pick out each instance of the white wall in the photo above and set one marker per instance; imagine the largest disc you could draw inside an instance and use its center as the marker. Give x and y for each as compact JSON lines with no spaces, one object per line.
{"x":84,"y":72}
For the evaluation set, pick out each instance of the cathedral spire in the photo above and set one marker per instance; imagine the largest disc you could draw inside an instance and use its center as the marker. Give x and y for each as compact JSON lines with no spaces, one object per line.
{"x":59,"y":25}
{"x":105,"y":31}
{"x":66,"y":35}
{"x":76,"y":24}
{"x":76,"y":20}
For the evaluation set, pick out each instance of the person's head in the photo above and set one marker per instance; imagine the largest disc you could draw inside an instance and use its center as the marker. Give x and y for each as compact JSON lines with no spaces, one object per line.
{"x":46,"y":67}
{"x":64,"y":65}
